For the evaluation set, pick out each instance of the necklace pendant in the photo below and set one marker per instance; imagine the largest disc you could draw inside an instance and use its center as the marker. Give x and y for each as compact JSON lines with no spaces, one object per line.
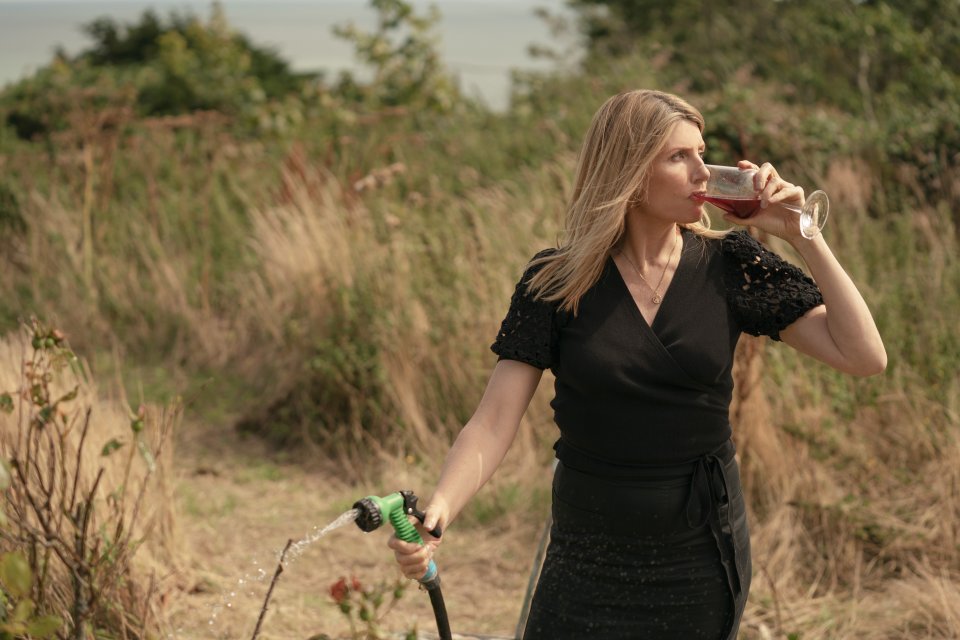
{"x":657,"y":299}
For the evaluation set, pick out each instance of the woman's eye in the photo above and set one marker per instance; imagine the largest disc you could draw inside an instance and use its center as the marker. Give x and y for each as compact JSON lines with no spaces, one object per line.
{"x":683,"y":155}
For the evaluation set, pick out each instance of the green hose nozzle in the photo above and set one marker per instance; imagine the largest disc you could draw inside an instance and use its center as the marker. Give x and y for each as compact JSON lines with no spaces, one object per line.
{"x":397,"y":506}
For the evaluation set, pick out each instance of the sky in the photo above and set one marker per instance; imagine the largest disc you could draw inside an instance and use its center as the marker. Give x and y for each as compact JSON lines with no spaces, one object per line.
{"x":481,"y":41}
{"x":531,"y":3}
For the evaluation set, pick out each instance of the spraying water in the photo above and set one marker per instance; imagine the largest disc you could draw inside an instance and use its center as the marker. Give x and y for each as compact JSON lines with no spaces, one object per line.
{"x":291,"y":553}
{"x":297,"y":549}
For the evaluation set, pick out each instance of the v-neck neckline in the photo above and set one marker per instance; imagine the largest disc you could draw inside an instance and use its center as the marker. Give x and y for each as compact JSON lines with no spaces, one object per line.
{"x":664,"y":298}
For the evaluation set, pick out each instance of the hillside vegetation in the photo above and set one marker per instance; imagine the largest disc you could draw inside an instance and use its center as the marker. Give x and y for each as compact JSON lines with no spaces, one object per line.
{"x":323,"y":261}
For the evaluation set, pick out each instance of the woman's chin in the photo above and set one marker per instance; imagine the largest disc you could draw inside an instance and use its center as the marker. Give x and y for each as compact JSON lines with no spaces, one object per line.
{"x":695,"y":216}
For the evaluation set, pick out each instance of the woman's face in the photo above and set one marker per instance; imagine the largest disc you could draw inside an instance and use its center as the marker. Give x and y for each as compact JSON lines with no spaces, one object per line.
{"x":676,"y":174}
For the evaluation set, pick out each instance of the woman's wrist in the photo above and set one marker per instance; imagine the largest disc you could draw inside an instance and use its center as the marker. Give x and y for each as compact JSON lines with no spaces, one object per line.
{"x":807,"y":246}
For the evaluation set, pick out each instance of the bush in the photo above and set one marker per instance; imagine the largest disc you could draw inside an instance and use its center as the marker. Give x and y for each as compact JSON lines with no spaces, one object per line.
{"x":407,"y":68}
{"x":73,"y":520}
{"x":173,"y":67}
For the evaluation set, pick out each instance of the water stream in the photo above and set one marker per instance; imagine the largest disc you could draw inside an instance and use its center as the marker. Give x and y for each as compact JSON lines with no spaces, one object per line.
{"x":297,"y":548}
{"x":293,"y":552}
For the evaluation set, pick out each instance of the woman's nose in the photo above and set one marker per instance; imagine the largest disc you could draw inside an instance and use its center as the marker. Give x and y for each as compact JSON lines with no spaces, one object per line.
{"x":701,"y":173}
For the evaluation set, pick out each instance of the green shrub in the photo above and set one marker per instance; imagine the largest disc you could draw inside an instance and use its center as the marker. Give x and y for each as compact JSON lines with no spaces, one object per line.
{"x":174,"y":67}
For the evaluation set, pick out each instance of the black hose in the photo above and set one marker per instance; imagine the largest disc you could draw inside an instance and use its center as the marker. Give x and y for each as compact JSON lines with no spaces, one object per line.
{"x":439,"y":609}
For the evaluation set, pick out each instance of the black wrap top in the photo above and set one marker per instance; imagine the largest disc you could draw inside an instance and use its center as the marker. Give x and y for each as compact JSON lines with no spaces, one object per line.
{"x":629,"y":393}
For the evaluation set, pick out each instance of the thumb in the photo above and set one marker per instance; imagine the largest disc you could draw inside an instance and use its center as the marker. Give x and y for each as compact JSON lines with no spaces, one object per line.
{"x":436,"y":514}
{"x":431,"y":519}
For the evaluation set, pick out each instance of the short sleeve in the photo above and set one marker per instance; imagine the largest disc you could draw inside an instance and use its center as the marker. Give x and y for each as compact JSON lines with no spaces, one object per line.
{"x":527,"y":332}
{"x":766,"y":293}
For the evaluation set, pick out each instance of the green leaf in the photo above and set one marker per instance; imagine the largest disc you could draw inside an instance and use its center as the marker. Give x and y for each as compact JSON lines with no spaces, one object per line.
{"x":147,"y":455}
{"x":365,"y":614}
{"x":110,"y":447}
{"x":23,"y":610}
{"x":5,"y":478}
{"x":6,"y":402}
{"x":46,"y":413}
{"x":12,"y":630}
{"x":44,"y":626}
{"x":15,"y":574}
{"x":72,"y":395}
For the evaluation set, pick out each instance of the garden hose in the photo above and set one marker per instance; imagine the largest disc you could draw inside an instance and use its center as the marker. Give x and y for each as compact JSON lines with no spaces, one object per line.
{"x":397,"y":506}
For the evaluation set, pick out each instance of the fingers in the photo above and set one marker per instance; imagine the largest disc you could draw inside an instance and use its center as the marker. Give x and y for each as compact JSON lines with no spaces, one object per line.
{"x":787,"y":192}
{"x":774,"y":189}
{"x":413,"y":558}
{"x":766,"y":181}
{"x":778,"y":190}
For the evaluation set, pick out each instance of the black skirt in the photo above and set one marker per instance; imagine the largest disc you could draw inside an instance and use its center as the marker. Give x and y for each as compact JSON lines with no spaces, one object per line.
{"x":649,"y":553}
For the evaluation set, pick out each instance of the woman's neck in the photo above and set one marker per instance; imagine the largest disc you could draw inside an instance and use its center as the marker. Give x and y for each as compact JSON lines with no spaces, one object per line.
{"x":649,"y":244}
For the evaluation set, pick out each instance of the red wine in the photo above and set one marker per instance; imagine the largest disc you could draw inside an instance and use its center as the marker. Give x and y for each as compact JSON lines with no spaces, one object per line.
{"x":740,"y":207}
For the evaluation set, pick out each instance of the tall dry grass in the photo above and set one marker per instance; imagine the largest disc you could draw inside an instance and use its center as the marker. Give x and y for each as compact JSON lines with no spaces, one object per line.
{"x":855,"y":483}
{"x":434,"y":291}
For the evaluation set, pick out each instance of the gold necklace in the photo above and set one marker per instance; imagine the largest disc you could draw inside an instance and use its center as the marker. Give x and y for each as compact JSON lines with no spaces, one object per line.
{"x":657,"y":298}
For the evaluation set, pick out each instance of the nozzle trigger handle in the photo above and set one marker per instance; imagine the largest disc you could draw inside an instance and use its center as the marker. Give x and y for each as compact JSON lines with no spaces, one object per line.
{"x":436,"y":532}
{"x":410,"y":507}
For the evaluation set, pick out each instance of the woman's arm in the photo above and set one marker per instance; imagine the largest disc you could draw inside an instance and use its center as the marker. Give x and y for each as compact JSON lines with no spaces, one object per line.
{"x":841,"y":332}
{"x":484,"y":440}
{"x":475,"y":455}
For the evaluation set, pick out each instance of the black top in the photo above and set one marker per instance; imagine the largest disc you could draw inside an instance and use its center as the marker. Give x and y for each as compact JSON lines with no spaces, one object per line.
{"x":629,"y":393}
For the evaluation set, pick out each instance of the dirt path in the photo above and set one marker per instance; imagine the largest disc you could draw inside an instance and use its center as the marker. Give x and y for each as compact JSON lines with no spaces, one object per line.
{"x":237,"y":505}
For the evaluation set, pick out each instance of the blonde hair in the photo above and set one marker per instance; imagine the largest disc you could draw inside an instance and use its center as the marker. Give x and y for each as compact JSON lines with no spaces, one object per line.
{"x":613,"y":170}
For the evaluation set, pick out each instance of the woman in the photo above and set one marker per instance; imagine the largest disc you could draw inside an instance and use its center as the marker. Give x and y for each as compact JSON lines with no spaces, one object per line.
{"x":637,"y":314}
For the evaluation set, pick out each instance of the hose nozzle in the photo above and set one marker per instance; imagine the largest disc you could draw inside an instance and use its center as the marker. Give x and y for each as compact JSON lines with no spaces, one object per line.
{"x":369,"y":514}
{"x":396,"y":507}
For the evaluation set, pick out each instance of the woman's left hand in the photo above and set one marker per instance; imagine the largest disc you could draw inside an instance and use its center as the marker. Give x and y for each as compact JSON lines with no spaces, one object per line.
{"x":774,"y":190}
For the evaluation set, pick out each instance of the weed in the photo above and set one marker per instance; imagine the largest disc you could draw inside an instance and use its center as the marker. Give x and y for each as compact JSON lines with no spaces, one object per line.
{"x":365,"y":607}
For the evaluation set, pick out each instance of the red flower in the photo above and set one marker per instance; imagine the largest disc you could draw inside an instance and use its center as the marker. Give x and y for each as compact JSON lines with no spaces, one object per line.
{"x":339,"y":590}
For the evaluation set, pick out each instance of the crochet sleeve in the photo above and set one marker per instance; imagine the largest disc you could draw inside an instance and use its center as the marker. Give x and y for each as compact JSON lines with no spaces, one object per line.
{"x":766,"y":293}
{"x":527,"y":333}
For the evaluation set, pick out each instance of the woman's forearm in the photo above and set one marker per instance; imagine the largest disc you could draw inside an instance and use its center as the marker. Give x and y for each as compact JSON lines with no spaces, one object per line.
{"x":484,"y":441}
{"x":849,"y":323}
{"x":476,"y":454}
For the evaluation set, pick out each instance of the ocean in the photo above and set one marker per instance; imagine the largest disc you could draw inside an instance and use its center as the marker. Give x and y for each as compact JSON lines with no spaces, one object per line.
{"x":481,"y":40}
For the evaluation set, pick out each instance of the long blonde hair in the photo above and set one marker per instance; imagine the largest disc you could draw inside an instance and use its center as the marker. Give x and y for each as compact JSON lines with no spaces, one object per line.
{"x":613,"y":170}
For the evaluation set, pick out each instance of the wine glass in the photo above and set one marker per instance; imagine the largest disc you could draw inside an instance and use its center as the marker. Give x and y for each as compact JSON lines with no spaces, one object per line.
{"x":732,"y":189}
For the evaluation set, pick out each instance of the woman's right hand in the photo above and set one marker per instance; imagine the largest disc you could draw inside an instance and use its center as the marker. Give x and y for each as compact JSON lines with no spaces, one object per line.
{"x":413,"y":558}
